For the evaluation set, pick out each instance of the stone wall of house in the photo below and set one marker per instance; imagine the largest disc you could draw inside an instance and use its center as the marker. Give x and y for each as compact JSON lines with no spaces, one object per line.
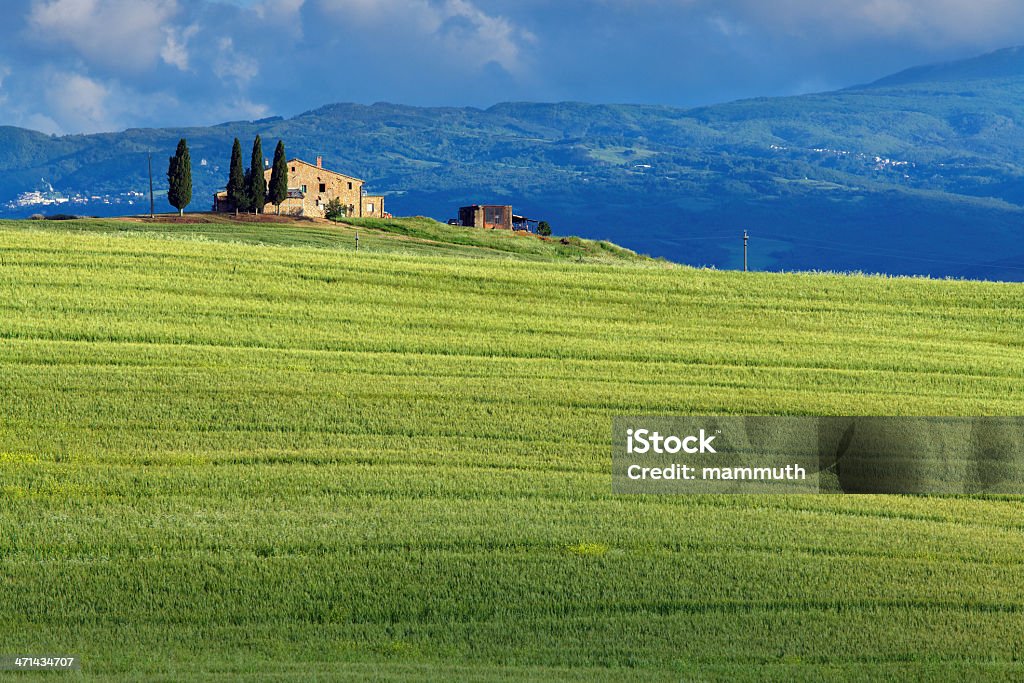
{"x":319,"y":186}
{"x":289,"y":207}
{"x":373,"y":206}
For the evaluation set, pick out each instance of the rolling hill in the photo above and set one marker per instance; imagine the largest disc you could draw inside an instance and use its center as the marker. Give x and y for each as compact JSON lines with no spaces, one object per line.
{"x":921,"y":172}
{"x":249,"y":452}
{"x":402,"y":236}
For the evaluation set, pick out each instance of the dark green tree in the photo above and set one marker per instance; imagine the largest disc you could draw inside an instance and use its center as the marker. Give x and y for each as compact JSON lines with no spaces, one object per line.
{"x":335,"y":210}
{"x":179,"y":178}
{"x":257,"y":185}
{"x":278,"y":190}
{"x":544,"y":228}
{"x":236,"y":180}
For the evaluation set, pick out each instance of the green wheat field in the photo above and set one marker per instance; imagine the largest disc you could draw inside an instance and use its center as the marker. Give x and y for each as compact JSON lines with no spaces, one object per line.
{"x":234,"y":451}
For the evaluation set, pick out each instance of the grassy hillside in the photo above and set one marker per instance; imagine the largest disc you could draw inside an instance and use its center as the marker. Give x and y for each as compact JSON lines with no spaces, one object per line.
{"x":417,"y":235}
{"x":224,"y":460}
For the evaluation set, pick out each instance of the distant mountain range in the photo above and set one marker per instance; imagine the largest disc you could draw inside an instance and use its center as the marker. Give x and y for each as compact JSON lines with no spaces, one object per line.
{"x":919,"y":172}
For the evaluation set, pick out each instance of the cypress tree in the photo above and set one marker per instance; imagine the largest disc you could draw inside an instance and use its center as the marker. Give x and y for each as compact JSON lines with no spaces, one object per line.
{"x":279,"y":178}
{"x":179,"y":178}
{"x":247,"y":202}
{"x":236,"y":180}
{"x":257,"y":193}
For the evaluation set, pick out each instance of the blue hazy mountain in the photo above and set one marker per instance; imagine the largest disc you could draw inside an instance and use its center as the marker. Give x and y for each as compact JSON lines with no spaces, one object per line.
{"x":920,"y":172}
{"x":1006,"y":63}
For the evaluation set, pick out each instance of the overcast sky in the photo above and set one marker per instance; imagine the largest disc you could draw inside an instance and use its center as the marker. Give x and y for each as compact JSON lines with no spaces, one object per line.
{"x":73,"y":66}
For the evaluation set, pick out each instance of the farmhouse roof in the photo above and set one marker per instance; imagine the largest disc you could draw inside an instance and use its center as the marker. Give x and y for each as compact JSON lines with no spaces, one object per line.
{"x":321,"y":168}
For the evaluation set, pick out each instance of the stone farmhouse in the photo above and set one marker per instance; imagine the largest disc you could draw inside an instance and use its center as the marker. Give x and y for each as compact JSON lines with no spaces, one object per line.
{"x":311,"y":187}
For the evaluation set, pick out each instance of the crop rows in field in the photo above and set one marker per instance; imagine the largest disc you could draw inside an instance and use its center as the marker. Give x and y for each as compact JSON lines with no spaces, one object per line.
{"x":248,"y":457}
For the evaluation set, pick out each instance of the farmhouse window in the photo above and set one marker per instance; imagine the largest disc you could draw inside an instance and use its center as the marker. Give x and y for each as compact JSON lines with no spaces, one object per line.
{"x":303,"y":189}
{"x":293,"y":169}
{"x":369,"y":207}
{"x":350,"y":186}
{"x":323,"y":187}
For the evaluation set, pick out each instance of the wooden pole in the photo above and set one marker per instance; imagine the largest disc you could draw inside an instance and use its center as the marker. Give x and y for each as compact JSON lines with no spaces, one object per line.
{"x":152,"y":205}
{"x":745,"y":238}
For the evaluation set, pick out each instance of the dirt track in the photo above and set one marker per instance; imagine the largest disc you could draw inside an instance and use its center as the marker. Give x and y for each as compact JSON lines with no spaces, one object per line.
{"x":193,"y":218}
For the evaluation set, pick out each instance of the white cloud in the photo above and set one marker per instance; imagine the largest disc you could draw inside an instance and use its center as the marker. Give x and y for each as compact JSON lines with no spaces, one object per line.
{"x":4,"y":73}
{"x":482,"y":36}
{"x":79,"y":103}
{"x":103,"y":55}
{"x":232,"y":66}
{"x":923,"y":22}
{"x":175,"y":49}
{"x":43,"y":124}
{"x":87,"y":65}
{"x":237,"y":109}
{"x":466,"y":35}
{"x":278,"y":9}
{"x":120,"y":34}
{"x":729,"y":29}
{"x":284,"y":15}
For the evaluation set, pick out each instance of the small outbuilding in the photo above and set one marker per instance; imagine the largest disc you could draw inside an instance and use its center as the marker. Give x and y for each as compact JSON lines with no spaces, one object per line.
{"x":492,"y":216}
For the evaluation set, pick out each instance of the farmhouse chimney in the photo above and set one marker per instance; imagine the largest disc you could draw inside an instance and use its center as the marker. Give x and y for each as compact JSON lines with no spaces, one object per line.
{"x":319,"y":162}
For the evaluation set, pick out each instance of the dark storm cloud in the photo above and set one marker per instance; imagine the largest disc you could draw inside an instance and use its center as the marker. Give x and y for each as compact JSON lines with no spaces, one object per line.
{"x":87,"y":65}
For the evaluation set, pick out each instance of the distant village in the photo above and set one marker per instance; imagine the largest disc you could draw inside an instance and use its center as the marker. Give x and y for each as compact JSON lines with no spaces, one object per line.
{"x":49,"y":197}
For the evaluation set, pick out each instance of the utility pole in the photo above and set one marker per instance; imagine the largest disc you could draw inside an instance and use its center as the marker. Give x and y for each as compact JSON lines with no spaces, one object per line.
{"x":152,"y":206}
{"x":745,"y":238}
